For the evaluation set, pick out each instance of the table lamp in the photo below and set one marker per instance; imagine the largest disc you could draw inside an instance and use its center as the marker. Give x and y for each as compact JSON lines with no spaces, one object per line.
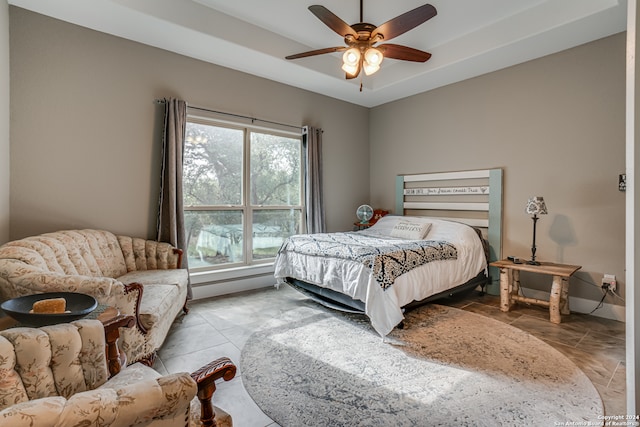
{"x":535,"y":207}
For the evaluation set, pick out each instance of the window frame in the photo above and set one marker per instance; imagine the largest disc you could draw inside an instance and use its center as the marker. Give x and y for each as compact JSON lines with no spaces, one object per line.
{"x":246,"y":207}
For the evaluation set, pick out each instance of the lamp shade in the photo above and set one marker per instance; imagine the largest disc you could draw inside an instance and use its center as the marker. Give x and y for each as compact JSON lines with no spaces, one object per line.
{"x":536,"y":206}
{"x":351,"y":61}
{"x":350,"y":69}
{"x":373,"y":56}
{"x":370,"y":69}
{"x":351,"y":57}
{"x":372,"y":59}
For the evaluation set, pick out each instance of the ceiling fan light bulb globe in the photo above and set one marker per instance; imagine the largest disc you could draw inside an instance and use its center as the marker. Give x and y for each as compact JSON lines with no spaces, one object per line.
{"x":351,"y":57}
{"x":370,"y":69}
{"x":373,"y":56}
{"x":349,"y":69}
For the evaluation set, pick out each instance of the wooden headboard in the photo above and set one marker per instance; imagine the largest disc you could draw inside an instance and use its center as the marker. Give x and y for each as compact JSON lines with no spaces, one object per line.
{"x":472,"y":197}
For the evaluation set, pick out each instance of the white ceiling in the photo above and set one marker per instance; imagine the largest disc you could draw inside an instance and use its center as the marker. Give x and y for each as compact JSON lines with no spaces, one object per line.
{"x":467,"y":38}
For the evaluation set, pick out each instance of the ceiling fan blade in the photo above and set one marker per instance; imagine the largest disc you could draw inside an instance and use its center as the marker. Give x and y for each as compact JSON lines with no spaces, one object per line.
{"x":332,"y":21}
{"x":395,"y":51}
{"x":317,"y":52}
{"x":405,"y":22}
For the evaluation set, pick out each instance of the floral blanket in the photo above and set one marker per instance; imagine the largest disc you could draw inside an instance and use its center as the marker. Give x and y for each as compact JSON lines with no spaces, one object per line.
{"x":388,"y":259}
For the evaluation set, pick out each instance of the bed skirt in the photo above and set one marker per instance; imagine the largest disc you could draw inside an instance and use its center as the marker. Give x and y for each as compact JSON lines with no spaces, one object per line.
{"x":342,"y":302}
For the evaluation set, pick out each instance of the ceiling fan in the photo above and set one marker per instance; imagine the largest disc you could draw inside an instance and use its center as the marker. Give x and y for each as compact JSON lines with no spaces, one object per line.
{"x":361,"y":38}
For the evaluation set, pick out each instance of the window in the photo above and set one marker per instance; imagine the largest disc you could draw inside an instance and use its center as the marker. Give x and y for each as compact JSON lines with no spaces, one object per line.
{"x":242,"y":190}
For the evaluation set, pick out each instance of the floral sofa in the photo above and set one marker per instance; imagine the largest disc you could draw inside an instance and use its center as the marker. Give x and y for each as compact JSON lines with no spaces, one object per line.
{"x":137,"y":276}
{"x":58,"y":376}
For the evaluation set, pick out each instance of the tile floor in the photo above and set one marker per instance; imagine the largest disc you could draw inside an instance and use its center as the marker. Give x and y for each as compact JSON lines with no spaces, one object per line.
{"x":220,"y":326}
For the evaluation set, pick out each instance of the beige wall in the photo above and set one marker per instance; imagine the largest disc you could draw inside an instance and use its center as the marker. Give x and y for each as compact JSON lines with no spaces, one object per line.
{"x":4,"y":121}
{"x":555,"y":125}
{"x":85,"y":131}
{"x":85,"y":138}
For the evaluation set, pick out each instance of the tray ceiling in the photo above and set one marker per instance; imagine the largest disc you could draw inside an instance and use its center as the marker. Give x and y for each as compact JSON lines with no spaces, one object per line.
{"x":467,"y":38}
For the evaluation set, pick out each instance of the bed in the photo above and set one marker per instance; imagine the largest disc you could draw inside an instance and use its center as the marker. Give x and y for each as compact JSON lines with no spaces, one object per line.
{"x":441,"y":242}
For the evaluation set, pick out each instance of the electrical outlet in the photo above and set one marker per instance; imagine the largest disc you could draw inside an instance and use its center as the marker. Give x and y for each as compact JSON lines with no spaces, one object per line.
{"x":622,"y":182}
{"x":609,"y":280}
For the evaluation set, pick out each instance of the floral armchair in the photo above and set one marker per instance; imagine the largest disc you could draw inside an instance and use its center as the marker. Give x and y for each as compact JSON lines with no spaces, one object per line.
{"x":58,"y":376}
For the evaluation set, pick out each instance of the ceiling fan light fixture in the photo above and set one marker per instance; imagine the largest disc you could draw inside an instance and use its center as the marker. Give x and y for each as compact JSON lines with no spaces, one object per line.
{"x":359,"y":53}
{"x":373,"y":56}
{"x":351,"y":57}
{"x":351,"y":61}
{"x":350,"y":69}
{"x":370,"y":69}
{"x":372,"y":59}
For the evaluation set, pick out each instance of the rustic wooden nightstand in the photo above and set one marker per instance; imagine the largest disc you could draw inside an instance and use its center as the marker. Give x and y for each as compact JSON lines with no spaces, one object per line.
{"x":510,"y":285}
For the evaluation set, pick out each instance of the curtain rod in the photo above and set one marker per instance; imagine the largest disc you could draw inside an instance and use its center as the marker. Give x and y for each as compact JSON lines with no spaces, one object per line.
{"x":253,"y":119}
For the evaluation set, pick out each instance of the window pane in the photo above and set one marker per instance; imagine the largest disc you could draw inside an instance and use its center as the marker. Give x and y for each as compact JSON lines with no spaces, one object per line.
{"x":212,"y":173}
{"x":242,"y":193}
{"x":270,"y":228}
{"x":214,"y":237}
{"x":275,"y":170}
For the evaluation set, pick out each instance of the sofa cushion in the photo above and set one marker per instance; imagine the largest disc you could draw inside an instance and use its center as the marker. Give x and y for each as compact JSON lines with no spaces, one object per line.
{"x":145,"y":387}
{"x":162,"y":289}
{"x":92,"y":407}
{"x":34,"y":413}
{"x":130,"y":375}
{"x":178,"y":277}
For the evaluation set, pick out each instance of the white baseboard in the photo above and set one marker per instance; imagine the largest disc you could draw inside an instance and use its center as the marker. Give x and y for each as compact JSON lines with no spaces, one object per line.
{"x":209,"y":290}
{"x":241,"y":284}
{"x":586,"y":306}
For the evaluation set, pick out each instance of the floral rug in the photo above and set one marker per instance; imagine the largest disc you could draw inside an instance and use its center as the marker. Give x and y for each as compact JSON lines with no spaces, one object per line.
{"x":447,"y":367}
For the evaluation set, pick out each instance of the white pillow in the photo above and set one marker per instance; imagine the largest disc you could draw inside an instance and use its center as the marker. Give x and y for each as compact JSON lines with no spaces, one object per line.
{"x":384,"y":225}
{"x":413,"y":229}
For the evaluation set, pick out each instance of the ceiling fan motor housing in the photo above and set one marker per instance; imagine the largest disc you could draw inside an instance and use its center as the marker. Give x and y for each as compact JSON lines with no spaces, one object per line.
{"x":363,"y":30}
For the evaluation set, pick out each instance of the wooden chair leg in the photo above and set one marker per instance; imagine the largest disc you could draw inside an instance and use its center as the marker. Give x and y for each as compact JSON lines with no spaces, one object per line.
{"x":206,"y":377}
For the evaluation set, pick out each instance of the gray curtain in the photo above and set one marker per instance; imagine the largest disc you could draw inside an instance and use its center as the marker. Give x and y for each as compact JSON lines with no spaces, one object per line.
{"x":312,"y":144}
{"x":170,"y":212}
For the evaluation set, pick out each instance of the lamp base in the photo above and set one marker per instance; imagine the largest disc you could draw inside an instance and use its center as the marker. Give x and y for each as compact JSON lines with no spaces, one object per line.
{"x":532,"y":262}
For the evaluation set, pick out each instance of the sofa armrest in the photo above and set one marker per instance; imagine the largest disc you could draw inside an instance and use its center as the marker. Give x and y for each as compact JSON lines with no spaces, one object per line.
{"x":142,"y":254}
{"x":205,"y":378}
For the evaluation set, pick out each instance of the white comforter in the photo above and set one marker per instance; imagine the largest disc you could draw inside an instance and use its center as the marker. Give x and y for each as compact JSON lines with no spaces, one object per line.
{"x":384,"y":306}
